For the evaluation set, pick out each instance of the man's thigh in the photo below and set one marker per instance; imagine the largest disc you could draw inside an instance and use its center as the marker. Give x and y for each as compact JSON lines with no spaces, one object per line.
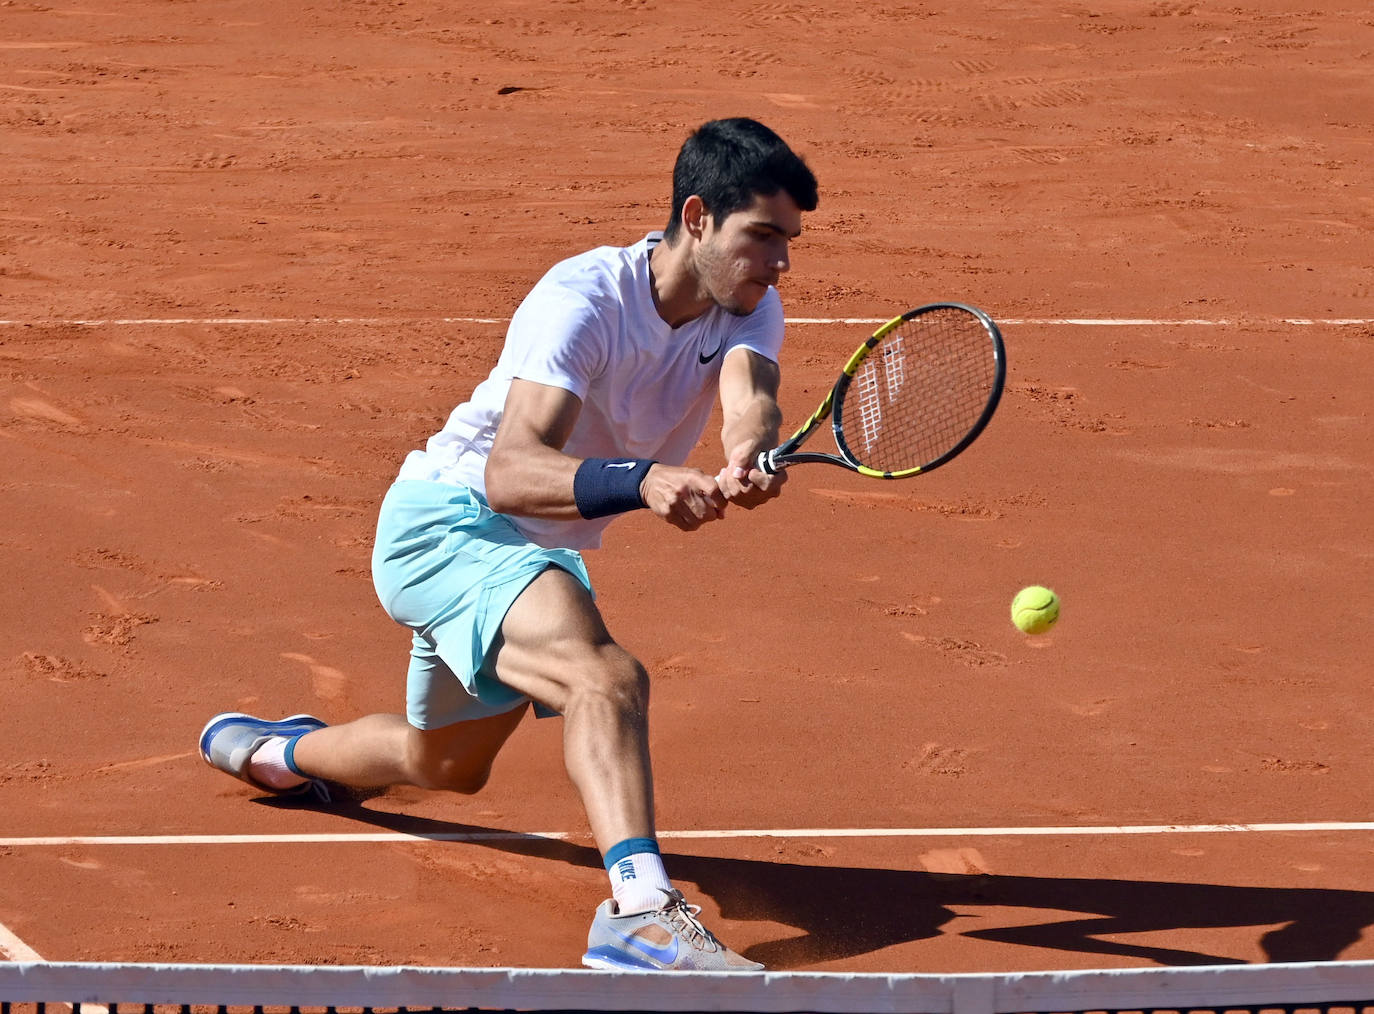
{"x":452,"y":570}
{"x":553,"y":640}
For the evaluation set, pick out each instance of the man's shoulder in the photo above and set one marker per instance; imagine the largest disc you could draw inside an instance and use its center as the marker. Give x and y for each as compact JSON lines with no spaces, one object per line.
{"x":604,"y":282}
{"x":602,"y":264}
{"x":589,"y":294}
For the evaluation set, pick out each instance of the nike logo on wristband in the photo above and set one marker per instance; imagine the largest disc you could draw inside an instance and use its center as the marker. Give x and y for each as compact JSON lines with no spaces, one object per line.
{"x":619,"y":464}
{"x":704,"y":358}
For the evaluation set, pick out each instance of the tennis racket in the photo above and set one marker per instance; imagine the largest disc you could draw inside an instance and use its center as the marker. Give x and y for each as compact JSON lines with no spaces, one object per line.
{"x":911,"y":397}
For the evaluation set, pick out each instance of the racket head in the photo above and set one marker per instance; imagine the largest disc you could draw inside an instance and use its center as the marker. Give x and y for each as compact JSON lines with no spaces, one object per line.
{"x":919,"y":391}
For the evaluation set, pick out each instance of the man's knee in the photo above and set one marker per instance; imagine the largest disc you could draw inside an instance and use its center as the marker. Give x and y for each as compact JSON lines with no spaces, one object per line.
{"x":615,"y":679}
{"x":430,"y":770}
{"x":459,"y":758}
{"x":454,"y":777}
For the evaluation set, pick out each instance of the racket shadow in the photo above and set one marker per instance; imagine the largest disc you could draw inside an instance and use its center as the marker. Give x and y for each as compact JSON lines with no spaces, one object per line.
{"x":843,"y":912}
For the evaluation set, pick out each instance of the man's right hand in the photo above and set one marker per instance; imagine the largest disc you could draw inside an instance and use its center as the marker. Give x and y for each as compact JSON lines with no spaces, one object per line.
{"x":684,"y":497}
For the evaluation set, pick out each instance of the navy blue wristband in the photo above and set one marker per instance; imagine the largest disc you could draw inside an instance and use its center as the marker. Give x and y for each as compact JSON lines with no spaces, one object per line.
{"x":606,"y":486}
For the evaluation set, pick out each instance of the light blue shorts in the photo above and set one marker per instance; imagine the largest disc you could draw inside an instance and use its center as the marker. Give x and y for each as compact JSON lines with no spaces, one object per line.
{"x":449,"y":567}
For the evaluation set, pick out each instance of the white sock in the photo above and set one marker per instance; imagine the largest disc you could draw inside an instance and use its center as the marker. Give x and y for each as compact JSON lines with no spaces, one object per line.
{"x":268,"y":765}
{"x":638,"y":881}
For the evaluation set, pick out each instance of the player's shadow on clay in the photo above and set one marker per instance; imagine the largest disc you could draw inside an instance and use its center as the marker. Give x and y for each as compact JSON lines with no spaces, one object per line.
{"x":843,"y":911}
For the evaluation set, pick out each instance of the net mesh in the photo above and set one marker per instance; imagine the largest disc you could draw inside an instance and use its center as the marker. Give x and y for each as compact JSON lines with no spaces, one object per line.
{"x":919,"y":391}
{"x":43,"y":987}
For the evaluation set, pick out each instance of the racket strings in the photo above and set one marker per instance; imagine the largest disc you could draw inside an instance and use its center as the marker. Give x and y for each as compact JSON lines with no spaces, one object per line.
{"x":920,"y":391}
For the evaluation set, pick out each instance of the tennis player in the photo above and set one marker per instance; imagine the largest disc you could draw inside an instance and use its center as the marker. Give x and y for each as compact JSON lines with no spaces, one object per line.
{"x":610,"y":371}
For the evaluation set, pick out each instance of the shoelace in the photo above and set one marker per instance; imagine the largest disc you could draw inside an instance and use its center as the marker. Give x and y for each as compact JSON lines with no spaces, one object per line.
{"x":682,"y":917}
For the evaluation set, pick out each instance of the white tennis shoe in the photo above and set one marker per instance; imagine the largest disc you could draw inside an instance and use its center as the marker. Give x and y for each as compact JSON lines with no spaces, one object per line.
{"x":229,"y":740}
{"x":667,"y":939}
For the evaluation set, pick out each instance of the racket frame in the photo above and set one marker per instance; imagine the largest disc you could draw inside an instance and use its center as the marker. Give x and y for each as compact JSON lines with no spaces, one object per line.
{"x":787,"y":453}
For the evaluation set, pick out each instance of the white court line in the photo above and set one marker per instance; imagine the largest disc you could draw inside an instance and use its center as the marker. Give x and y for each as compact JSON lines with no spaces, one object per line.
{"x":808,"y":832}
{"x":397,"y":321}
{"x":14,"y":949}
{"x":1122,"y":321}
{"x":246,"y":321}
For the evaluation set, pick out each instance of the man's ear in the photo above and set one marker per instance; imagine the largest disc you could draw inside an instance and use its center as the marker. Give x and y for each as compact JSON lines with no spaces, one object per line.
{"x":695,"y":216}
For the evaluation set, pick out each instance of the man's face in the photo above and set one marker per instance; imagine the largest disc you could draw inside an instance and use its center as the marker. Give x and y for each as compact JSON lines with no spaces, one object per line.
{"x":739,"y":258}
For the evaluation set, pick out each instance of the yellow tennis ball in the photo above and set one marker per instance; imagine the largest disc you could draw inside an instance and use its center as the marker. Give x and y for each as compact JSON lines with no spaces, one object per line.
{"x":1035,"y":609}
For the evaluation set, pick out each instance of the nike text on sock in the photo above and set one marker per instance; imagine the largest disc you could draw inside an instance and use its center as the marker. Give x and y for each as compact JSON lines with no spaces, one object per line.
{"x":638,"y":879}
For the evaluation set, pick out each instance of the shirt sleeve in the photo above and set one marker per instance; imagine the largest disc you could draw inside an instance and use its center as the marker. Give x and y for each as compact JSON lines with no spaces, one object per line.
{"x":560,"y":338}
{"x":762,"y":330}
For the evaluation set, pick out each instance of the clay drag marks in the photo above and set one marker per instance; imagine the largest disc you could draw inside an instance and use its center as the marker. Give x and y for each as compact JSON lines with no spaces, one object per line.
{"x":155,"y":502}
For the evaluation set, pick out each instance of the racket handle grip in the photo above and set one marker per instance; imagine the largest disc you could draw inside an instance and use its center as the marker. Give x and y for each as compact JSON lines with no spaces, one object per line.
{"x":766,"y":464}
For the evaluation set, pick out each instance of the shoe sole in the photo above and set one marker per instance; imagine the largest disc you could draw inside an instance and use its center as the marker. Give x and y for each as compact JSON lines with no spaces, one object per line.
{"x":604,"y":965}
{"x":609,"y":965}
{"x":305,"y":723}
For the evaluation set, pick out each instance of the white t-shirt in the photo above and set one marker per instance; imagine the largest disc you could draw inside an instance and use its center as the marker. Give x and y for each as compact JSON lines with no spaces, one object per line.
{"x":590,"y":326}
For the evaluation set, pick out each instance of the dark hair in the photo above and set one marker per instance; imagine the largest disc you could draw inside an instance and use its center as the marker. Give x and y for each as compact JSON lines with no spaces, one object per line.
{"x":727,"y":163}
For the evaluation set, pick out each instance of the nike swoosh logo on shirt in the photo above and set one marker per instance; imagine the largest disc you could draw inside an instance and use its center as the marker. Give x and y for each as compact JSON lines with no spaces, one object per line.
{"x":667,"y":955}
{"x":704,"y":358}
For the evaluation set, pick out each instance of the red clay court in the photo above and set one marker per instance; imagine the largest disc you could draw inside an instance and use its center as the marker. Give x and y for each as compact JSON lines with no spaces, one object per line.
{"x":254,"y":253}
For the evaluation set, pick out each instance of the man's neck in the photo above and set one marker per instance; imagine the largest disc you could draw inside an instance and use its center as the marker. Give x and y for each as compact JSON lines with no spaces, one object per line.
{"x":677,"y":294}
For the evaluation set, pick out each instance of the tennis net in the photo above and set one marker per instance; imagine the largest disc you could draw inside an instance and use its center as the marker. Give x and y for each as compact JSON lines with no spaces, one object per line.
{"x":92,"y":988}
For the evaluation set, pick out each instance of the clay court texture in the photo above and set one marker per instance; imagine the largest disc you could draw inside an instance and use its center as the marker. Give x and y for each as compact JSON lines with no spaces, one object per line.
{"x":253,"y":253}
